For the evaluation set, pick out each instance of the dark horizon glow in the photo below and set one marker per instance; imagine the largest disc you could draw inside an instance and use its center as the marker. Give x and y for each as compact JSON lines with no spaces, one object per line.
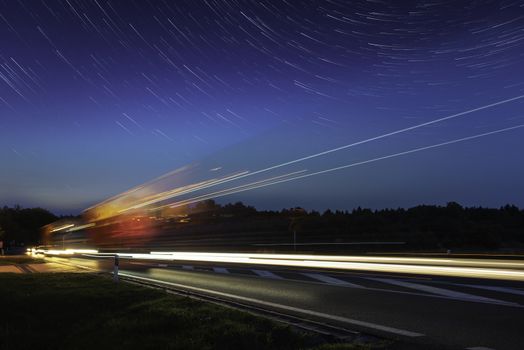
{"x":99,"y":97}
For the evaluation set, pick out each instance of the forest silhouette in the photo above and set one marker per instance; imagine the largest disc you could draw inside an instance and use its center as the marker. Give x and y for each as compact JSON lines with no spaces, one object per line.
{"x":423,"y":227}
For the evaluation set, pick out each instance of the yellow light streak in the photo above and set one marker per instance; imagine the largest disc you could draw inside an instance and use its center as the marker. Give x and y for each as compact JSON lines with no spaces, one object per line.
{"x":247,"y":187}
{"x":81,"y":227}
{"x":62,"y":227}
{"x":183,"y":190}
{"x":66,"y":251}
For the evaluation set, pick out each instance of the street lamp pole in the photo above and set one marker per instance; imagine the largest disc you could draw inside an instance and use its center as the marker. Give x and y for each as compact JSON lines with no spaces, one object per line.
{"x":115,"y":269}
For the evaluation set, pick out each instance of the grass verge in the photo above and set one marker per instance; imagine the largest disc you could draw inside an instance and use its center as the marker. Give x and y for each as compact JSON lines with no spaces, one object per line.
{"x":87,"y":311}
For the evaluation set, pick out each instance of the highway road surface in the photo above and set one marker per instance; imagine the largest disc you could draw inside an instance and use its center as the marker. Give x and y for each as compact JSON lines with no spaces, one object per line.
{"x":426,"y":311}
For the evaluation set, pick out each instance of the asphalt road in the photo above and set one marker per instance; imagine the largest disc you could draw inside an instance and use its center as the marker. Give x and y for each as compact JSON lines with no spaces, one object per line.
{"x":426,"y":311}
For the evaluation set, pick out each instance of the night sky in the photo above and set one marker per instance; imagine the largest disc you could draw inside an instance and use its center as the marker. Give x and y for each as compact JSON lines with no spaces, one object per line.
{"x":99,"y":96}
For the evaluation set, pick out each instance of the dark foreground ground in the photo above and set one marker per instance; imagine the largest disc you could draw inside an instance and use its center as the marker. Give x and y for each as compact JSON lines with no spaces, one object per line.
{"x":89,"y":311}
{"x":416,"y":311}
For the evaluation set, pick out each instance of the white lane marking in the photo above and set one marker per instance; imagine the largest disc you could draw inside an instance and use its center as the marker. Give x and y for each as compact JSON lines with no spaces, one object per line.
{"x":220,"y":269}
{"x":188,"y":267}
{"x":479,"y":348}
{"x":375,"y":326}
{"x":494,"y":288}
{"x":267,"y":274}
{"x":330,"y":280}
{"x":441,"y":291}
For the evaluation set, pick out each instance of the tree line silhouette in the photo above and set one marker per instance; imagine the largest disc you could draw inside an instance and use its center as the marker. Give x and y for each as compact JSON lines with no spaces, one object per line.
{"x":424,"y":227}
{"x":21,"y":226}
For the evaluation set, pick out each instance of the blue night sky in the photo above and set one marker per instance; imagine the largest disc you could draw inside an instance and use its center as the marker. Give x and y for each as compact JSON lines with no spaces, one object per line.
{"x":100,"y":96}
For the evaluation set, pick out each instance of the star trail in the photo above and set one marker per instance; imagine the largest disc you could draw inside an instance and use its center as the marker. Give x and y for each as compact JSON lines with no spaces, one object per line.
{"x":99,"y":96}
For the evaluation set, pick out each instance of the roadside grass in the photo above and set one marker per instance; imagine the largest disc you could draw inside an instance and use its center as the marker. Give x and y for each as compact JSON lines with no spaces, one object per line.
{"x":88,"y":311}
{"x":19,"y":259}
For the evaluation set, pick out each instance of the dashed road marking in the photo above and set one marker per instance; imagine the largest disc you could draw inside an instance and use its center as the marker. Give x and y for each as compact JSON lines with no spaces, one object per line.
{"x":220,"y":270}
{"x":440,"y":291}
{"x":267,"y":274}
{"x":331,"y":280}
{"x":494,"y":288}
{"x":433,"y":291}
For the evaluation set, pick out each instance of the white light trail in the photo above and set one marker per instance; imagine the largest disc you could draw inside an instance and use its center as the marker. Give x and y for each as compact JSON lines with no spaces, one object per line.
{"x":396,"y":132}
{"x":517,"y":264}
{"x":471,"y":268}
{"x":392,"y":133}
{"x":64,"y":252}
{"x":241,"y":188}
{"x":184,"y":190}
{"x":258,"y":184}
{"x":215,"y":182}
